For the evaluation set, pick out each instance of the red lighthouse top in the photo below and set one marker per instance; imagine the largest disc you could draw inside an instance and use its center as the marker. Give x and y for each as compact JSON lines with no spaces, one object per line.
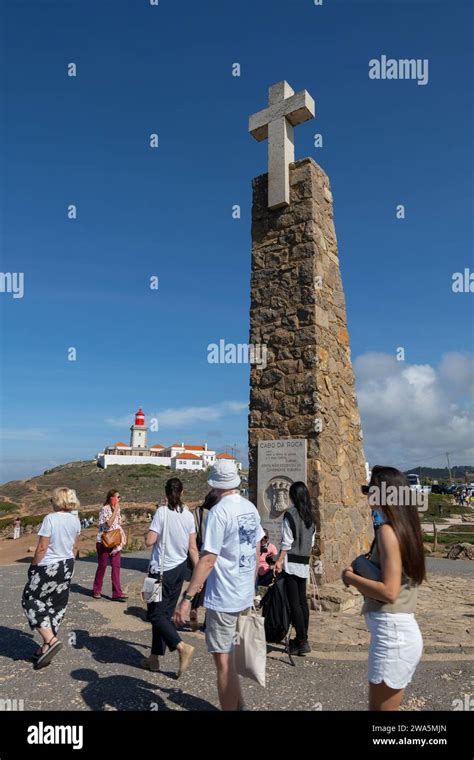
{"x":139,"y":417}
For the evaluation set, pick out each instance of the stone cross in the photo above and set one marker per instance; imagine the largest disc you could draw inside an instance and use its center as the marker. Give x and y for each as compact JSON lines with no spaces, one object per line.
{"x":275,"y":123}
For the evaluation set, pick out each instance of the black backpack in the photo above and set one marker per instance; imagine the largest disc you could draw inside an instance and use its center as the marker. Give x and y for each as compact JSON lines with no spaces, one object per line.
{"x":276,"y":611}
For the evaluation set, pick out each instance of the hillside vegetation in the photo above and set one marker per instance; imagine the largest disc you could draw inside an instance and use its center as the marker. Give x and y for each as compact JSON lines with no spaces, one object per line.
{"x":138,"y":484}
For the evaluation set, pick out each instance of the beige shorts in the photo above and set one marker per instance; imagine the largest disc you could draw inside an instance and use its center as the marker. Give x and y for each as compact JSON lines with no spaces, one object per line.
{"x":220,"y":631}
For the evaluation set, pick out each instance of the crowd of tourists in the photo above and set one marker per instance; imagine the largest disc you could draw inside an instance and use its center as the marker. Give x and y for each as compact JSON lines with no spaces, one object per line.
{"x":223,"y":552}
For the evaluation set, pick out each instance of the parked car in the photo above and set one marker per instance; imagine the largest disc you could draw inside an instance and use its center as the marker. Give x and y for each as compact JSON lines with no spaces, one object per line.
{"x":438,"y":488}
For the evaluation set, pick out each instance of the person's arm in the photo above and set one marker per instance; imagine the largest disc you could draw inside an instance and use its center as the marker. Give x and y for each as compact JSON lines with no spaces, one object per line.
{"x":41,"y":549}
{"x":287,"y":539}
{"x":260,"y":534}
{"x":257,"y":560}
{"x":110,"y":521}
{"x":200,"y":575}
{"x":193,"y":550}
{"x":150,"y":538}
{"x":387,"y":590}
{"x":215,"y":531}
{"x":202,"y":570}
{"x":75,"y":548}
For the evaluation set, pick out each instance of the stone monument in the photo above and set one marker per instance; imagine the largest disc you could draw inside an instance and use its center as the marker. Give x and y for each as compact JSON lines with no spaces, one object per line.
{"x":304,"y":397}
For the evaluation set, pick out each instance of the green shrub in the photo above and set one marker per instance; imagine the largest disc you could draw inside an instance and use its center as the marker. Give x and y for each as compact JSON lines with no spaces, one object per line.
{"x":135,"y":545}
{"x":32,"y":520}
{"x":450,"y":538}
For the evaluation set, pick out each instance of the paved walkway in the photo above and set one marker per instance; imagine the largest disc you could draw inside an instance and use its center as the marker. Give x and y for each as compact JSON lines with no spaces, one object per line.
{"x":445,"y":614}
{"x":99,"y":666}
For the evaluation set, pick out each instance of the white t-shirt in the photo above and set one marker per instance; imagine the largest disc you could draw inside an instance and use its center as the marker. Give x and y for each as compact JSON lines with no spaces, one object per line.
{"x":62,"y":529}
{"x":232,"y":531}
{"x":180,"y":525}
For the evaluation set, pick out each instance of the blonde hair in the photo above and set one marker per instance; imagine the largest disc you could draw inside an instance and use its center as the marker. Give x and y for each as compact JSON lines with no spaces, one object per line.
{"x":64,"y":498}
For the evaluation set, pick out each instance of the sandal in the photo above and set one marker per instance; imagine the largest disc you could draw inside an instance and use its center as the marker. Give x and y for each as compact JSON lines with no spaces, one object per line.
{"x":46,"y":657}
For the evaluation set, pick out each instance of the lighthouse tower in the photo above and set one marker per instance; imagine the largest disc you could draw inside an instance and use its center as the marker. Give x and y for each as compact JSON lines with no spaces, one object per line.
{"x":138,"y":432}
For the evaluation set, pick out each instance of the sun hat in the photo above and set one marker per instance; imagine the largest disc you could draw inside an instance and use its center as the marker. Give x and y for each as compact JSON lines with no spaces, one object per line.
{"x":224,"y":475}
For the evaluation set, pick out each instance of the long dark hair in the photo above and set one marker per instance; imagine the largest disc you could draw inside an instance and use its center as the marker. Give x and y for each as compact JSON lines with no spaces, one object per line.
{"x":402,"y":516}
{"x":110,"y":493}
{"x":173,"y":491}
{"x":300,"y":497}
{"x":210,"y":499}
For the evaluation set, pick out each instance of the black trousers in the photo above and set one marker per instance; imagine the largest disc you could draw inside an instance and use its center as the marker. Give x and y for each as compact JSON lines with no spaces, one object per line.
{"x":160,"y":613}
{"x":296,"y":595}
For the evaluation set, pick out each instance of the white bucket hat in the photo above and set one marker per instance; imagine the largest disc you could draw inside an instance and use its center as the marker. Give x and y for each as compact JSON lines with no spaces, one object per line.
{"x":224,"y":475}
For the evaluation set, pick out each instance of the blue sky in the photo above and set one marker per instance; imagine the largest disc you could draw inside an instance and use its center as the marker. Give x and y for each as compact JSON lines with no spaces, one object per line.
{"x":167,"y":212}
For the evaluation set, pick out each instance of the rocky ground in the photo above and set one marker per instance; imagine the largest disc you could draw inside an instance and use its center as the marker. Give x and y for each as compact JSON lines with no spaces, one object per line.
{"x":104,"y":641}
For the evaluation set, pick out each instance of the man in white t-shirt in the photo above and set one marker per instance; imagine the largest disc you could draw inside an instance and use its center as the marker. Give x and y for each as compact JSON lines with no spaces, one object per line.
{"x":229,"y":563}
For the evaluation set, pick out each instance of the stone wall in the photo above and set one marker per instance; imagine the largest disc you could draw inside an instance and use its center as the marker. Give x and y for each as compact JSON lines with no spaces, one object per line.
{"x":307,"y":388}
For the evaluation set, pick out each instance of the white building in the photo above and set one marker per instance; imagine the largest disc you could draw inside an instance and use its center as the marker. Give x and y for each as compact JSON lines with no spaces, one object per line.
{"x":178,"y":456}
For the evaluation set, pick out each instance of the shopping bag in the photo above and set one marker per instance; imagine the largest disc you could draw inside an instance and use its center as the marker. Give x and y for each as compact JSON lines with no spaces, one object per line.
{"x":250,"y":651}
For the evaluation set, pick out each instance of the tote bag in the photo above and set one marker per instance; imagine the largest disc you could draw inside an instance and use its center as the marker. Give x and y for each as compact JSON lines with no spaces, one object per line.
{"x":250,"y":652}
{"x":152,"y":590}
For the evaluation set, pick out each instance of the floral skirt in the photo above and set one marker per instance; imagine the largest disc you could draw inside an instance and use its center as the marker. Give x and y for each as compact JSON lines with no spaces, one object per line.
{"x":46,"y":594}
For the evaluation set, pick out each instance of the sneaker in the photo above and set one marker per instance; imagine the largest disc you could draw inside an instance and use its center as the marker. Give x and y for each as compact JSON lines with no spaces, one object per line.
{"x":293,"y":646}
{"x":304,"y":647}
{"x":299,"y":647}
{"x":151,"y":663}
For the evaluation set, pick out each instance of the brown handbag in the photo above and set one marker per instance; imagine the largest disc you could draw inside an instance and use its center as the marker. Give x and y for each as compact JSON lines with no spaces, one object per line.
{"x":112,"y":538}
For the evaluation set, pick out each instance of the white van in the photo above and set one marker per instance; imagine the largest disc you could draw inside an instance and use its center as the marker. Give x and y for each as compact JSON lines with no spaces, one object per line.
{"x":414,"y":481}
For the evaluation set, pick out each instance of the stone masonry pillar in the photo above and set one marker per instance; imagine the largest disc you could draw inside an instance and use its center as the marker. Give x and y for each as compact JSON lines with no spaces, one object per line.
{"x":307,"y":388}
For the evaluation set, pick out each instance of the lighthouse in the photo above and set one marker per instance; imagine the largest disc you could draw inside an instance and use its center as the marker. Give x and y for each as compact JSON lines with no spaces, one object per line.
{"x":178,"y":456}
{"x":138,"y":432}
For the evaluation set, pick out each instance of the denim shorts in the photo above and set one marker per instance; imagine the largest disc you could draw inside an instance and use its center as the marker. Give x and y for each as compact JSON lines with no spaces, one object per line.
{"x":396,"y":646}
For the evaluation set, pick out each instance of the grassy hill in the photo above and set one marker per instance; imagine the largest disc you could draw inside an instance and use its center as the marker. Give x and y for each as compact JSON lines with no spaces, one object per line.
{"x":138,"y":484}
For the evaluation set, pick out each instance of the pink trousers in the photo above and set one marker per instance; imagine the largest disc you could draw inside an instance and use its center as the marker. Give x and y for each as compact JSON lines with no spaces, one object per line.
{"x":104,"y":556}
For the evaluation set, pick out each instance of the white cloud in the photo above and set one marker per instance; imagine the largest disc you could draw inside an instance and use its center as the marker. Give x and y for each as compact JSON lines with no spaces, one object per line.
{"x":414,"y":413}
{"x":21,"y":434}
{"x":120,"y":422}
{"x":180,"y":417}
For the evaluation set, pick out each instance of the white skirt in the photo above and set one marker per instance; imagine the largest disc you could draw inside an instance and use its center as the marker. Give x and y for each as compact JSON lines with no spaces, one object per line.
{"x":396,"y":646}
